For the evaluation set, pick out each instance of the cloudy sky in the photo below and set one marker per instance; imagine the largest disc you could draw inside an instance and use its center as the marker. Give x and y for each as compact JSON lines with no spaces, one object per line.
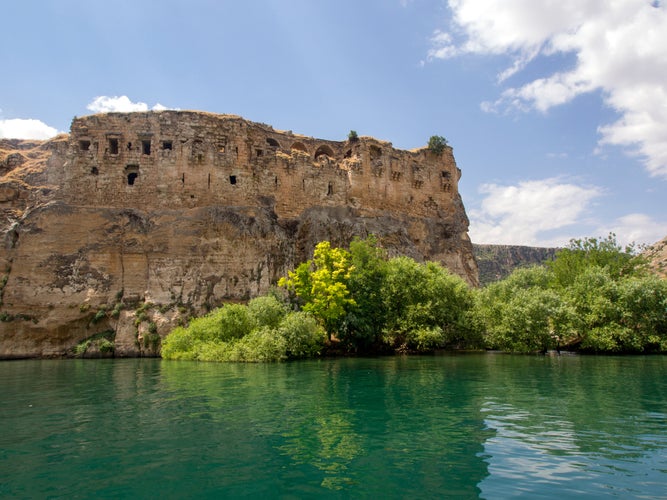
{"x":556,"y":109}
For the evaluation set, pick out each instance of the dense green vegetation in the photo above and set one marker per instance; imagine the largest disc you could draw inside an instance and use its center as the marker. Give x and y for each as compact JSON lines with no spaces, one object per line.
{"x":595,"y":297}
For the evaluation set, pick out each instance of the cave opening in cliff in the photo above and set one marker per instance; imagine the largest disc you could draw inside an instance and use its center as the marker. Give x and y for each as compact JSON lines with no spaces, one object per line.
{"x":272,"y":142}
{"x":232,"y":179}
{"x":132,"y":172}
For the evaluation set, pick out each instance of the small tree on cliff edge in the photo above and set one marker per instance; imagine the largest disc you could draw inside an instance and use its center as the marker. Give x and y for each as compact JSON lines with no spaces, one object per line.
{"x":437,"y":144}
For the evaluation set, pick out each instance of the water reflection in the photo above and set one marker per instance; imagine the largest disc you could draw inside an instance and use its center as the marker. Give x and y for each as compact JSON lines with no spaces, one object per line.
{"x":574,"y":427}
{"x":489,"y":426}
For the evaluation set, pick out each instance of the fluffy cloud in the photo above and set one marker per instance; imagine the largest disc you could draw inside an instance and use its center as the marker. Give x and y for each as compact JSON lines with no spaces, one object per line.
{"x":18,"y":128}
{"x":122,"y":104}
{"x":635,"y":228}
{"x":530,"y":212}
{"x":619,"y":50}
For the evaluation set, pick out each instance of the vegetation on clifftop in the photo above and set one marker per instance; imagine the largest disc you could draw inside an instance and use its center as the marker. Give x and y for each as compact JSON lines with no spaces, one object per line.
{"x":594,"y":296}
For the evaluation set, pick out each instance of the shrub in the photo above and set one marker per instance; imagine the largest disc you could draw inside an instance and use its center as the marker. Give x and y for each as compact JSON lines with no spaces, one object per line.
{"x":303,"y":335}
{"x":437,"y":144}
{"x":261,"y":345}
{"x":267,"y":311}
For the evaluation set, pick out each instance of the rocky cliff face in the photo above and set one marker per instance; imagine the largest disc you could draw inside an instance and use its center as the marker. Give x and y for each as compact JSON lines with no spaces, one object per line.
{"x":656,"y":255}
{"x":117,"y":231}
{"x":496,"y":262}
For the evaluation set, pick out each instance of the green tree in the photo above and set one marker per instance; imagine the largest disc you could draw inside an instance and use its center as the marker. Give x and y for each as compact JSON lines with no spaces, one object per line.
{"x":437,"y":144}
{"x":521,"y":313}
{"x":362,"y":327}
{"x":584,"y":253}
{"x":424,"y":300}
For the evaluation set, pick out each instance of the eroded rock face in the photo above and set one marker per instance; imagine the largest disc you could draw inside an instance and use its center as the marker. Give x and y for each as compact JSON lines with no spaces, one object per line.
{"x":131,"y":222}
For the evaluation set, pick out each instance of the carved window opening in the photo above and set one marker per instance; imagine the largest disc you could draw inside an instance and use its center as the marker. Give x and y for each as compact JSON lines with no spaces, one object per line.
{"x":259,"y":152}
{"x":330,"y":189}
{"x":183,"y":179}
{"x":209,"y":181}
{"x":272,"y":142}
{"x":146,"y":147}
{"x":94,"y":171}
{"x":113,"y":146}
{"x":221,"y":148}
{"x":445,"y":175}
{"x":232,"y":179}
{"x":395,"y":176}
{"x":84,"y":145}
{"x":132,"y":172}
{"x":167,"y":145}
{"x":129,"y":146}
{"x":299,"y":147}
{"x":324,"y":150}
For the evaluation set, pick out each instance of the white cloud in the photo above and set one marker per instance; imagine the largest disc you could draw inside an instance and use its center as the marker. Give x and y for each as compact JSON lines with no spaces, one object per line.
{"x":122,"y":104}
{"x":635,"y":228}
{"x":18,"y":128}
{"x":530,"y":212}
{"x":619,"y":48}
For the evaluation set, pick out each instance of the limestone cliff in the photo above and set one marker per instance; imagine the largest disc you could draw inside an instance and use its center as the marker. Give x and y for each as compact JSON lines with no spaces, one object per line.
{"x":496,"y":262}
{"x":113,"y":232}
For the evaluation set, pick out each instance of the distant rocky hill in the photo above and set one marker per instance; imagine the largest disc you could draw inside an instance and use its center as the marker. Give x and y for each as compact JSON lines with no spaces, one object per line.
{"x":496,"y":262}
{"x":657,"y":257}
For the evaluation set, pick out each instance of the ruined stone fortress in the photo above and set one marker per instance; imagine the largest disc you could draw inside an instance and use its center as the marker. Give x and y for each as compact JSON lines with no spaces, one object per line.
{"x":173,"y":159}
{"x":181,"y":209}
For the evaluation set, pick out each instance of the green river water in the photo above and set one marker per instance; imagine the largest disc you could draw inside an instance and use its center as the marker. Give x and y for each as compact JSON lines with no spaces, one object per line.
{"x":446,"y":426}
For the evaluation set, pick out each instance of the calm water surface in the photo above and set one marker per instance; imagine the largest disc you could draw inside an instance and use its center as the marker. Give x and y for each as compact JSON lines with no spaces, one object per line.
{"x":461,"y":426}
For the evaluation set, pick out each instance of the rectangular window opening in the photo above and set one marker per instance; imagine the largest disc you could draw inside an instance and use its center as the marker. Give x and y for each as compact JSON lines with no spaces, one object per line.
{"x":84,"y":145}
{"x":167,"y":145}
{"x":232,"y":179}
{"x":113,"y":146}
{"x":146,"y":147}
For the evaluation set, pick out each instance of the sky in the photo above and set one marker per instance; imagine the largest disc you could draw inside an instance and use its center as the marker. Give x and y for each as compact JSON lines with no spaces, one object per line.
{"x":556,"y":110}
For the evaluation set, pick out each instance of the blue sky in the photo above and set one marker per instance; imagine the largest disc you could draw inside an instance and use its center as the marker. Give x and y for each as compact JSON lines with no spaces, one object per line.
{"x":556,"y":110}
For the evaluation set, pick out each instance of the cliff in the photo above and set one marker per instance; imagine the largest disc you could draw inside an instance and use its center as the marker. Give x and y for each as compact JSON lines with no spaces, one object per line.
{"x":117,"y":231}
{"x":496,"y":262}
{"x":656,"y":255}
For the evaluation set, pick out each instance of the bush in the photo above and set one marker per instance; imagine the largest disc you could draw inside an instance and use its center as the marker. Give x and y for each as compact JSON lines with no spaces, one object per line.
{"x":437,"y":144}
{"x":303,"y":335}
{"x":267,"y":311}
{"x":261,"y":345}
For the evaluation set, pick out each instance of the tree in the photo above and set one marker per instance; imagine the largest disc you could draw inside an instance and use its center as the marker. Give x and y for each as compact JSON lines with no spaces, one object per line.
{"x":424,"y":301}
{"x":352,"y":136}
{"x":363,"y":325}
{"x":437,"y":144}
{"x":321,"y":285}
{"x":583,"y":253}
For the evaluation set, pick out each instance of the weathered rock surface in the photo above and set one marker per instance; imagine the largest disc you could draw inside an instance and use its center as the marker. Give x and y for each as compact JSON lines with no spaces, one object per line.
{"x":497,"y":262}
{"x":656,"y":255}
{"x":132,"y":221}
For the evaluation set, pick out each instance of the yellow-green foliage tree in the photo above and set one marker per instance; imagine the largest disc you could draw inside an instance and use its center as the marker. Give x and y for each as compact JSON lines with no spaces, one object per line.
{"x":321,"y":284}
